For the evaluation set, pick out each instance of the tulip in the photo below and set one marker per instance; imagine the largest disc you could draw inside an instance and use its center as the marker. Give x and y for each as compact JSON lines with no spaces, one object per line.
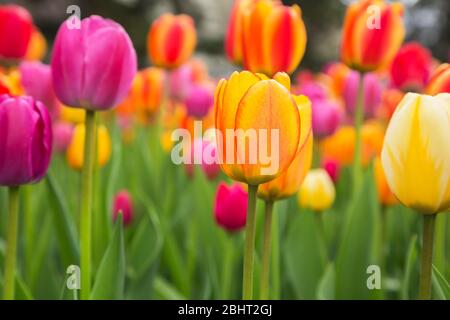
{"x":440,"y":81}
{"x":123,"y":204}
{"x":332,"y":167}
{"x":25,"y":156}
{"x":171,"y":40}
{"x":75,"y":151}
{"x":416,"y":161}
{"x":317,"y":192}
{"x":99,"y":76}
{"x":230,"y":209}
{"x":389,"y":102}
{"x":199,"y":100}
{"x":385,"y":195}
{"x":410,"y":69}
{"x":245,"y":104}
{"x":326,"y":117}
{"x":36,"y":79}
{"x":372,"y":93}
{"x":204,"y":152}
{"x":373,"y":33}
{"x":72,"y":115}
{"x":314,"y":91}
{"x":233,"y":37}
{"x":37,"y":47}
{"x":145,"y":95}
{"x":16,"y":27}
{"x":62,"y":135}
{"x":273,"y":37}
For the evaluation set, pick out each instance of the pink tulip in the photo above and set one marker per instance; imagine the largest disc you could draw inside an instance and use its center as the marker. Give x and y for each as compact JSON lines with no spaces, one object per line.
{"x":36,"y":79}
{"x":204,"y":153}
{"x":313,"y":91}
{"x":180,"y":81}
{"x":26,"y":140}
{"x":326,"y":117}
{"x":372,"y":93}
{"x":16,"y":27}
{"x":230,"y":209}
{"x":199,"y":100}
{"x":123,"y":203}
{"x":62,"y":136}
{"x":93,"y":66}
{"x":332,"y":167}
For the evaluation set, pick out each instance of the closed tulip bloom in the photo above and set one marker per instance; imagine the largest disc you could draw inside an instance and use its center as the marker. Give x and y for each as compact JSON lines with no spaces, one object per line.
{"x":37,"y":48}
{"x":123,"y":204}
{"x":369,"y":43}
{"x":332,"y":167}
{"x":389,"y":102}
{"x":36,"y":79}
{"x":171,"y":40}
{"x":326,"y":117}
{"x":230,"y":209}
{"x":440,"y":81}
{"x":233,"y":37}
{"x":26,"y":140}
{"x":204,"y":153}
{"x":199,"y":100}
{"x":75,"y":151}
{"x":385,"y":195}
{"x":288,"y":183}
{"x":274,"y":37}
{"x":16,"y":27}
{"x":251,"y":101}
{"x":416,"y":153}
{"x":372,"y":93}
{"x":93,"y":67}
{"x":317,"y":191}
{"x":410,"y":70}
{"x":62,"y":135}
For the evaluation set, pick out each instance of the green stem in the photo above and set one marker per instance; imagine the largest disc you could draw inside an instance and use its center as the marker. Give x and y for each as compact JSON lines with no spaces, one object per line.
{"x":265,"y":273}
{"x":359,"y":118}
{"x":427,"y":256}
{"x":11,"y":245}
{"x":247,"y":282}
{"x":384,"y":238}
{"x":28,"y":228}
{"x":86,"y":203}
{"x":322,"y":235}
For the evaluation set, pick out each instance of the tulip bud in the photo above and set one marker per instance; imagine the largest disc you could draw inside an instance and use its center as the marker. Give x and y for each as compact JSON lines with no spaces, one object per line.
{"x":93,"y":66}
{"x":199,"y":100}
{"x":171,"y":40}
{"x":62,"y":135}
{"x":203,"y":152}
{"x":16,"y":27}
{"x":373,"y":33}
{"x":36,"y":79}
{"x":37,"y":47}
{"x":123,"y":204}
{"x":233,"y":37}
{"x":317,"y":191}
{"x":332,"y":167}
{"x":410,"y":69}
{"x":440,"y":81}
{"x":75,"y":151}
{"x":27,"y":140}
{"x":326,"y":117}
{"x":230,"y":210}
{"x":416,"y":152}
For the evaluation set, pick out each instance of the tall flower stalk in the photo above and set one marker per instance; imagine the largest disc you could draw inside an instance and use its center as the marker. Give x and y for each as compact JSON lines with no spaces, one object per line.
{"x":247,"y":280}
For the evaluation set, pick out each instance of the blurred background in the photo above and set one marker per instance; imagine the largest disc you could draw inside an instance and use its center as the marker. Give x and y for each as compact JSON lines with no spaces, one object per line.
{"x":427,"y":21}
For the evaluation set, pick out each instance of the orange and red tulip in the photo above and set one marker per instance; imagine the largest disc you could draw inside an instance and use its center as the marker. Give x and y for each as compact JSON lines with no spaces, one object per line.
{"x":171,"y":40}
{"x":252,"y":101}
{"x":440,"y":81}
{"x":37,"y":47}
{"x":367,"y":46}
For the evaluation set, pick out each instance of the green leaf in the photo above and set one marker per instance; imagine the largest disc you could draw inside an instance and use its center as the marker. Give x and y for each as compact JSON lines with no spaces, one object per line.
{"x":22,"y":291}
{"x":110,"y":279}
{"x":411,"y":259}
{"x":440,"y":285}
{"x":326,"y":288}
{"x":166,"y":291}
{"x":65,"y":228}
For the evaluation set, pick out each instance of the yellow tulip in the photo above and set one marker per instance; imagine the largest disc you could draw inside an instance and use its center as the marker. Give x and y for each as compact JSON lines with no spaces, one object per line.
{"x":72,"y":115}
{"x":288,"y":183}
{"x":75,"y":152}
{"x":249,"y":101}
{"x":317,"y":191}
{"x":416,"y":152}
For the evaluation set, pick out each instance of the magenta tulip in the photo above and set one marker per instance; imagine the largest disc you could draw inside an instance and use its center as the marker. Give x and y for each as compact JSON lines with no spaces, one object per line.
{"x":93,"y":66}
{"x":332,"y":167}
{"x":230,"y":209}
{"x":36,"y":79}
{"x":372,"y":93}
{"x":62,"y":136}
{"x":16,"y":27}
{"x":314,"y":91}
{"x":205,"y":154}
{"x":180,"y":81}
{"x":25,"y":140}
{"x":124,"y":204}
{"x":199,"y":100}
{"x":326,"y":117}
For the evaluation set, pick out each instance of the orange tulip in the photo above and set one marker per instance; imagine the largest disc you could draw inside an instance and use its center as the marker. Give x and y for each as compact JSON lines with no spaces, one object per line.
{"x":249,"y":103}
{"x":145,"y":96}
{"x":385,"y":194}
{"x":233,"y":38}
{"x":289,"y":182}
{"x":273,"y":37}
{"x":75,"y":151}
{"x":389,"y":102}
{"x":171,"y":40}
{"x":373,"y":33}
{"x":440,"y":81}
{"x":37,"y":46}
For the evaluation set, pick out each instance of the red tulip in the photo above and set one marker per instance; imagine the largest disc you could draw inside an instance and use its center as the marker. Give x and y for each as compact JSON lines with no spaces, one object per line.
{"x":124,"y":204}
{"x":16,"y":27}
{"x":230,"y":209}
